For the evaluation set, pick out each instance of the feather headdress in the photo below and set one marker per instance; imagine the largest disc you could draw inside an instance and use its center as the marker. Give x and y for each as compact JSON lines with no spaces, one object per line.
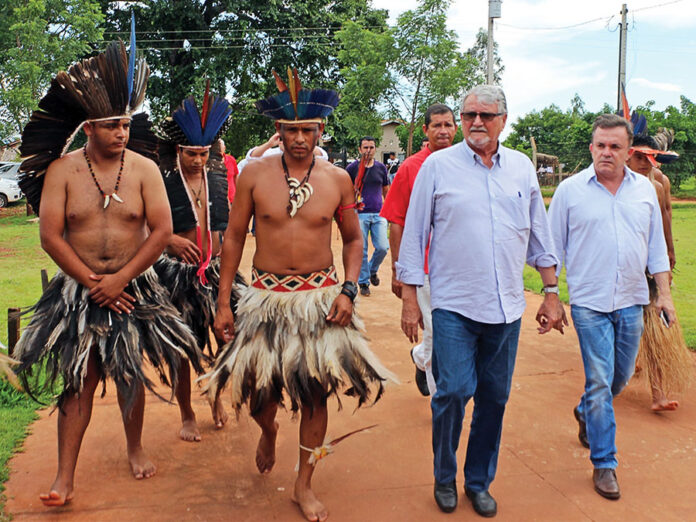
{"x":110,"y":85}
{"x":295,"y":104}
{"x":655,"y":147}
{"x":191,"y":128}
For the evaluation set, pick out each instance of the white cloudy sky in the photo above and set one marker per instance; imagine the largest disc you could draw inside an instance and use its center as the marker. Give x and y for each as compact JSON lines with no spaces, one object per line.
{"x":546,"y":61}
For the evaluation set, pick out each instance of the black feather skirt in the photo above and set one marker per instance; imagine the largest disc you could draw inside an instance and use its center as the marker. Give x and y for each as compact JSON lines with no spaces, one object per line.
{"x":283,"y":342}
{"x":195,"y":302}
{"x":66,"y":324}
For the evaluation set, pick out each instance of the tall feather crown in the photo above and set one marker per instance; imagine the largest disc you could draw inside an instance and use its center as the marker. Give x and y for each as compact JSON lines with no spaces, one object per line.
{"x":296,"y":104}
{"x":108,"y":85}
{"x":654,"y":147}
{"x":190,"y":128}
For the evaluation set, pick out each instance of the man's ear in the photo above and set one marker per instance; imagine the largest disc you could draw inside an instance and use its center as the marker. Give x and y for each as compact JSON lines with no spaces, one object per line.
{"x":277,"y":126}
{"x":87,"y":127}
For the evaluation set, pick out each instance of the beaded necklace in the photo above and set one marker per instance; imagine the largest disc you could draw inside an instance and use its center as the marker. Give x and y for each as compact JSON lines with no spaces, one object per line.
{"x":113,"y":195}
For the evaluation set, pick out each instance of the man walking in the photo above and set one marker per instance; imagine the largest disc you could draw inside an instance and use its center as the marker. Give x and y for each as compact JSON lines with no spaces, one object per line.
{"x":485,"y":198}
{"x":439,"y":128}
{"x":296,"y":329}
{"x":371,"y":182}
{"x":607,"y":229}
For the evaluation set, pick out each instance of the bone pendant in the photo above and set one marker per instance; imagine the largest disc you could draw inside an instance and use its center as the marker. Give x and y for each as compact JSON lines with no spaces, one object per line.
{"x":116,"y":197}
{"x":107,"y":200}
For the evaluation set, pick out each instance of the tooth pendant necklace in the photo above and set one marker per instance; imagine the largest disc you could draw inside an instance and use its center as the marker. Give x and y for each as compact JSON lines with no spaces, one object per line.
{"x":300,"y":191}
{"x":197,"y":195}
{"x":113,"y":195}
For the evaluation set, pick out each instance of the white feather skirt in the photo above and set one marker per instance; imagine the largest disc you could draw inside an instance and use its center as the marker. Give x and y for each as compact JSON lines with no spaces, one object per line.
{"x":283,"y":342}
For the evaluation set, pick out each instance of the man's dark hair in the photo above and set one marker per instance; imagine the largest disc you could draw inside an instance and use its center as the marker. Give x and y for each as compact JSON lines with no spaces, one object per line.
{"x":425,"y":140}
{"x":367,"y":138}
{"x":437,"y":108}
{"x":612,"y":121}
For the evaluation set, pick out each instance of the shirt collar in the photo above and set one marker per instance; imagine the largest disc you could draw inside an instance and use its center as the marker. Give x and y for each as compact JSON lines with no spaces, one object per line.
{"x":590,"y":174}
{"x":475,"y":159}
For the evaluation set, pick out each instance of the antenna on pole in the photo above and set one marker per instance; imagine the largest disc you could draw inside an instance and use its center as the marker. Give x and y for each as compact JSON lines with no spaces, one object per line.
{"x":622,"y":58}
{"x":493,"y":12}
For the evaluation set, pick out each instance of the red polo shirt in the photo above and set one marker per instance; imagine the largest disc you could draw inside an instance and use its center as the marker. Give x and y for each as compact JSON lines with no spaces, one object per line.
{"x":396,"y":202}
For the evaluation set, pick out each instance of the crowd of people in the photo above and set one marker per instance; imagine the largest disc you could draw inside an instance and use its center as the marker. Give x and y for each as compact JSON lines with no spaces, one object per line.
{"x":148,"y":255}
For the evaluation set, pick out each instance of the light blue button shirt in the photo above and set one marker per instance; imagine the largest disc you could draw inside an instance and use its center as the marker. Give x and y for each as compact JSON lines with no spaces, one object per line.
{"x":485,"y":223}
{"x":608,"y":240}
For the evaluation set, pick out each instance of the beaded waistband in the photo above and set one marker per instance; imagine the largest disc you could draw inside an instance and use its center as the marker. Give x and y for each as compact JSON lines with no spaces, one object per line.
{"x":293,"y":282}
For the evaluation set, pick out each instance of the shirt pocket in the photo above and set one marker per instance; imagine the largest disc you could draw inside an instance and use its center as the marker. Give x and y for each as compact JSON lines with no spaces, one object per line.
{"x":511,"y":217}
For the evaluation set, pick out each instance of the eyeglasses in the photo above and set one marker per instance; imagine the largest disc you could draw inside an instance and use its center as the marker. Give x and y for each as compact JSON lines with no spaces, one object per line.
{"x":485,"y":116}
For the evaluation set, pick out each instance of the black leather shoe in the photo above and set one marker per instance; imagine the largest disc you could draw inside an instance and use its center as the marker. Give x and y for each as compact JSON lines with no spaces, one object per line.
{"x":484,"y":504}
{"x":365,"y":290}
{"x":446,"y":496}
{"x":582,"y":429}
{"x":374,"y":279}
{"x":421,"y":379}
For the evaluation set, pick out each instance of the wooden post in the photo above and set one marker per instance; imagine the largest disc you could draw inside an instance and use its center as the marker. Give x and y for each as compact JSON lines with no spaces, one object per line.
{"x":30,"y":211}
{"x":12,"y":329}
{"x":44,"y":279}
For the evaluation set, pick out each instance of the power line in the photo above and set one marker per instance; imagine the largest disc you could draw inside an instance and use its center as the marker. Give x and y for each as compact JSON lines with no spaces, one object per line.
{"x":247,"y":30}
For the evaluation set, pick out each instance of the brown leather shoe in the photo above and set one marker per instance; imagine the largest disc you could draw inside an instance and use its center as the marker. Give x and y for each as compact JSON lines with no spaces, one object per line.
{"x":605,"y":483}
{"x":582,"y":429}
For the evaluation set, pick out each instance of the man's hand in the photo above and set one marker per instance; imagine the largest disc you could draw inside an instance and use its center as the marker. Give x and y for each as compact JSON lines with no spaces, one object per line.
{"x":109,"y":291}
{"x":184,"y":249}
{"x":224,"y":323}
{"x":396,"y":285}
{"x":341,"y":311}
{"x":664,"y":304}
{"x":411,"y":316}
{"x":551,"y":314}
{"x":274,"y":140}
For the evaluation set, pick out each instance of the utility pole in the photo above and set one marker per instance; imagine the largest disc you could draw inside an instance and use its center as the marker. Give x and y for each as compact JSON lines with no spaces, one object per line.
{"x":493,"y":12}
{"x":622,"y":57}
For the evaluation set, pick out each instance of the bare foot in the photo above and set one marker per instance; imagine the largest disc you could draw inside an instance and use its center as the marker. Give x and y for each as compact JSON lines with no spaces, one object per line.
{"x":265,"y":451}
{"x":312,"y":509}
{"x":219,"y":414}
{"x":664,"y":404}
{"x":189,"y":431}
{"x":59,"y":495}
{"x":140,"y":465}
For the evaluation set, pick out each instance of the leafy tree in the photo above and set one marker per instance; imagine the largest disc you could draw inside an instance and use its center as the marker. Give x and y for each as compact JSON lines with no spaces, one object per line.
{"x":235,"y":44}
{"x":479,"y":55}
{"x":419,"y":135}
{"x":428,"y":67}
{"x":364,"y":57}
{"x":38,"y":38}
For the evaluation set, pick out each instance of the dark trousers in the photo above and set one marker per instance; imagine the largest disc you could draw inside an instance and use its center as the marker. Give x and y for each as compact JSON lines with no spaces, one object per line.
{"x":470,"y":359}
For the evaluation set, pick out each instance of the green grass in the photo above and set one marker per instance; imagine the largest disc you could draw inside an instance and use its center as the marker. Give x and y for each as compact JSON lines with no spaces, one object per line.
{"x":684,"y":289}
{"x":21,"y":261}
{"x":687,"y":189}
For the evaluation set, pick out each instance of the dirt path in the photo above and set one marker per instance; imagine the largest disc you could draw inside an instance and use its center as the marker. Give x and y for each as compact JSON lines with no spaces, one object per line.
{"x":385,"y":474}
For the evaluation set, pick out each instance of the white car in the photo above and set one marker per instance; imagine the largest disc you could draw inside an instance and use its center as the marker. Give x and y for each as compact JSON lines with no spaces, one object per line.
{"x":9,"y":188}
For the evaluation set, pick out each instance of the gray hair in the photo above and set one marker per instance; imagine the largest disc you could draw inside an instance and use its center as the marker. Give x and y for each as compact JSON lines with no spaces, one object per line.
{"x":487,"y":94}
{"x":611,"y":121}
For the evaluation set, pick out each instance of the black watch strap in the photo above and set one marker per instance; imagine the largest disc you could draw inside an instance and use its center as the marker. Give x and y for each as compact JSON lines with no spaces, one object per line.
{"x":350,"y":289}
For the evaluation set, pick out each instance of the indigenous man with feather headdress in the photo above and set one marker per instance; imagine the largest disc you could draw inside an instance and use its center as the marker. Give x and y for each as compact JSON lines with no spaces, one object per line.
{"x":196,"y":180}
{"x":104,"y":221}
{"x":663,"y":352}
{"x":296,"y":329}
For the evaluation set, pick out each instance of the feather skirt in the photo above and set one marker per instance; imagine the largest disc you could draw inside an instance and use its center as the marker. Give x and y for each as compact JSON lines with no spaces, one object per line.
{"x":66,"y":324}
{"x":283,"y":342}
{"x":196,"y":303}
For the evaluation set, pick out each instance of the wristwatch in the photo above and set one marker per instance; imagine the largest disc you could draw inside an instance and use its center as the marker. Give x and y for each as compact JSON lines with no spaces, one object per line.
{"x":551,"y":289}
{"x":350,"y":289}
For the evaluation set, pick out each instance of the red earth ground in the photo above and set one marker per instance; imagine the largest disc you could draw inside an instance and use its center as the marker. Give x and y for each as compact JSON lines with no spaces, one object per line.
{"x":384,"y":474}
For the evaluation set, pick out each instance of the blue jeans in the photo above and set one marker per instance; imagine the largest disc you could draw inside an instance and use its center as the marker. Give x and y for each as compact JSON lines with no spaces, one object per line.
{"x":372,"y":224}
{"x":470,"y":359}
{"x":609,"y":345}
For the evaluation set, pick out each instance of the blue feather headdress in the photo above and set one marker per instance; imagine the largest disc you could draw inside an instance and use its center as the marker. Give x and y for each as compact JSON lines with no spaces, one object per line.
{"x":295,"y":104}
{"x":190,"y":128}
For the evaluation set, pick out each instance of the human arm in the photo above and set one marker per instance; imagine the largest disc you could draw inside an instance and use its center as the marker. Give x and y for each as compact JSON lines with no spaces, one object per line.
{"x":409,"y":266}
{"x":342,"y":308}
{"x":396,"y":232}
{"x":666,"y":214}
{"x":232,"y":247}
{"x":664,"y":296}
{"x":257,"y":152}
{"x":184,"y":249}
